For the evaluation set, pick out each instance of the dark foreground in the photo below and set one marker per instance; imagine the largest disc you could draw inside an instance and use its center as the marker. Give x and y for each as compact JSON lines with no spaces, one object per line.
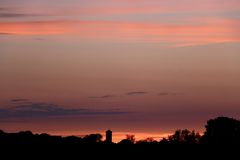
{"x":221,"y":140}
{"x":120,"y":152}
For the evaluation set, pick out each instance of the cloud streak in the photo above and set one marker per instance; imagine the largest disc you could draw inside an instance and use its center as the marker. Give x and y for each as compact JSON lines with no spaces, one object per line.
{"x":136,"y":93}
{"x":13,"y":15}
{"x":19,"y":100}
{"x":102,"y":97}
{"x":5,"y":34}
{"x":168,"y":94}
{"x":126,"y":7}
{"x":29,"y":110}
{"x":205,"y":32}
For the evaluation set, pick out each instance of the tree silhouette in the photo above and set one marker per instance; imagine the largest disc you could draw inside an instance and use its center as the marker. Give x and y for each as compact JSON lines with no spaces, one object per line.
{"x":219,"y":131}
{"x":130,"y":139}
{"x":184,"y":137}
{"x":93,"y":138}
{"x":147,"y":141}
{"x":164,"y":141}
{"x":222,"y":130}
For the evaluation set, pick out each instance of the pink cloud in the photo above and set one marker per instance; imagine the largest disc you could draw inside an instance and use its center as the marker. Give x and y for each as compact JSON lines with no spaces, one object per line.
{"x":35,"y":27}
{"x":205,"y":32}
{"x":126,"y":7}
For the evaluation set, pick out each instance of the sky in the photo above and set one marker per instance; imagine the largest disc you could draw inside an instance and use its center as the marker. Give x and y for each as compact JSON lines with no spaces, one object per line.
{"x":143,"y":67}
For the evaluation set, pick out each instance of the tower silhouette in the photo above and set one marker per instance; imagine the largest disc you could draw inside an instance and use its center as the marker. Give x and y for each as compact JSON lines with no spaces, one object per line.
{"x":109,"y":136}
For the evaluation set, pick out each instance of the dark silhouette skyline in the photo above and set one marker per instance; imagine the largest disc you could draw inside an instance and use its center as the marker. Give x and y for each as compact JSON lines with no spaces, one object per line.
{"x":219,"y":131}
{"x":220,"y":140}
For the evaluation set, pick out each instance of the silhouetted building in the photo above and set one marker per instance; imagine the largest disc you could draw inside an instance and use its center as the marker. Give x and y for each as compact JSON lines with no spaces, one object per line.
{"x":109,"y":136}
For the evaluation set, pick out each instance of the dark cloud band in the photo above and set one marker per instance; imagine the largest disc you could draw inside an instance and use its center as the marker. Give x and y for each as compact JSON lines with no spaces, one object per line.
{"x":41,"y":110}
{"x":136,"y":93}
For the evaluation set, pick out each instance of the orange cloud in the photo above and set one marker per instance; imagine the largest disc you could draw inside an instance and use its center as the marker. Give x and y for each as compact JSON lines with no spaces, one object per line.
{"x":204,"y":32}
{"x":34,"y":27}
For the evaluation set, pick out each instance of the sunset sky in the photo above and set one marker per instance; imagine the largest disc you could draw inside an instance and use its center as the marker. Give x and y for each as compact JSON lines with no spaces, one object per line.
{"x":143,"y":67}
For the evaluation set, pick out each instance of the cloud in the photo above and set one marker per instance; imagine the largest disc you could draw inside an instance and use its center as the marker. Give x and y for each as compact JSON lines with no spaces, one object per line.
{"x":13,"y":15}
{"x":103,"y":97}
{"x":168,"y":94}
{"x":4,"y":9}
{"x":19,"y":100}
{"x":49,"y":27}
{"x":4,"y":33}
{"x":136,"y":93}
{"x":163,"y":94}
{"x":41,"y":110}
{"x":174,"y":35}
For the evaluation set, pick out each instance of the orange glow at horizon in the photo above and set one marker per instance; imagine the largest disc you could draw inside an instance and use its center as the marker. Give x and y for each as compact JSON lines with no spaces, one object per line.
{"x":117,"y":136}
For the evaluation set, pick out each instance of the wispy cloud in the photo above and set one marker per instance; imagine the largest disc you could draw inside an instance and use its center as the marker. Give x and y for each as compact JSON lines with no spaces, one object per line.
{"x":163,"y":94}
{"x":6,"y":34}
{"x":13,"y":15}
{"x":19,"y":100}
{"x":168,"y":94}
{"x":102,"y":97}
{"x":126,"y":7}
{"x":178,"y":35}
{"x":49,"y":27}
{"x":23,"y":16}
{"x":24,"y":109}
{"x":136,"y":93}
{"x":11,"y":12}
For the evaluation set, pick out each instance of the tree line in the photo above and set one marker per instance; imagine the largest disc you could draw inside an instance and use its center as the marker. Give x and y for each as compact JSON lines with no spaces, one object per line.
{"x":219,"y":131}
